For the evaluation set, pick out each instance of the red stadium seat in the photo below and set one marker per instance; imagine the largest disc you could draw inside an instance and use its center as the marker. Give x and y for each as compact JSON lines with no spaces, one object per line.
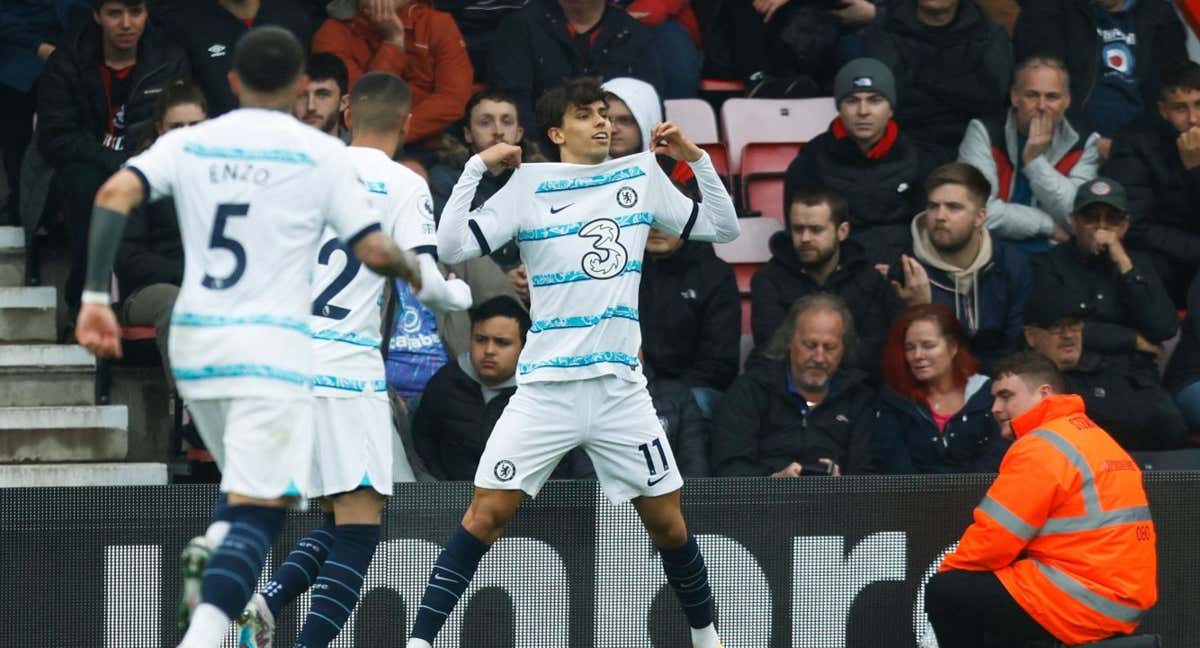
{"x":763,"y":168}
{"x":720,"y":160}
{"x":772,"y":121}
{"x":722,"y":85}
{"x":750,"y":251}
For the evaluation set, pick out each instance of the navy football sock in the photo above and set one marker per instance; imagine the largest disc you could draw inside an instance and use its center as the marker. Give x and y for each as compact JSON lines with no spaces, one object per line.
{"x":453,"y":571}
{"x":235,"y":565}
{"x":299,"y":571}
{"x":688,"y":576}
{"x":339,"y":585}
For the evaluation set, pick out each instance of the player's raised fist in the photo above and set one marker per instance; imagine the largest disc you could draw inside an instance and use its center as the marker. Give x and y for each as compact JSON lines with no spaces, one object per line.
{"x":500,"y":157}
{"x":97,"y":331}
{"x":670,"y":140}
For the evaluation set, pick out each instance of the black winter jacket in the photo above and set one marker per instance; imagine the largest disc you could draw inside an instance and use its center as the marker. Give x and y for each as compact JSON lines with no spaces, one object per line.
{"x":1119,"y":307}
{"x":1066,"y":29}
{"x":1164,"y":197}
{"x":73,"y":109}
{"x":151,"y":249}
{"x":1184,"y":367}
{"x":945,"y":76}
{"x":208,"y":32}
{"x":1130,"y":405}
{"x":760,"y":428}
{"x":691,"y":317}
{"x":533,"y":52}
{"x":905,"y":438}
{"x":883,"y":194}
{"x":871,"y":299}
{"x":452,"y":424}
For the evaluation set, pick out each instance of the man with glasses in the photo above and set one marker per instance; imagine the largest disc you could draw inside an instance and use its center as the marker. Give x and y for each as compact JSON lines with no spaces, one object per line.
{"x":1101,"y":314}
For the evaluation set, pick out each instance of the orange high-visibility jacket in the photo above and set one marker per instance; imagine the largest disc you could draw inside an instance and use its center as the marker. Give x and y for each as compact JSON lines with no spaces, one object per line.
{"x":1066,"y":527}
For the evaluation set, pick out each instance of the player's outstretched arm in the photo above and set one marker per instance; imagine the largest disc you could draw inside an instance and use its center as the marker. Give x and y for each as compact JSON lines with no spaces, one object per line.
{"x":463,"y":234}
{"x":381,"y":254}
{"x":439,"y":294}
{"x":716,"y":219}
{"x":96,"y":327}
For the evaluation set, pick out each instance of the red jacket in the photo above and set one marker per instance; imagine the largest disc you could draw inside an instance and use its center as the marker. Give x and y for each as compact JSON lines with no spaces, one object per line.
{"x":1066,"y":527}
{"x":659,"y":11}
{"x":434,"y":62}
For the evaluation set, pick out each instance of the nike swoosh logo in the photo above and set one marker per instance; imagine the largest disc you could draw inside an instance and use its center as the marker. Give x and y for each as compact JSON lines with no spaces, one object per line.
{"x":555,"y":210}
{"x":652,"y":481}
{"x":437,"y":576}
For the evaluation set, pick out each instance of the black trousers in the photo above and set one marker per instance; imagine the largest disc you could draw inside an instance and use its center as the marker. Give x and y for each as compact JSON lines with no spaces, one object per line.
{"x":16,"y":129}
{"x":968,"y":608}
{"x":79,"y":182}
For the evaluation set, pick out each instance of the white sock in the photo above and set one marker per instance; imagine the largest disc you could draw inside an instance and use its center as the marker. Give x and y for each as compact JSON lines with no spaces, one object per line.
{"x":705,"y":637}
{"x":216,"y":532}
{"x":418,"y":643}
{"x":207,"y":628}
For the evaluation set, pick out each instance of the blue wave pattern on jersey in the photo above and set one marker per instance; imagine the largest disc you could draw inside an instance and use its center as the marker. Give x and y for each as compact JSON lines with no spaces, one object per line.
{"x":571,"y":362}
{"x":242,"y":371}
{"x":205,"y":321}
{"x":348,"y":384}
{"x":555,"y":231}
{"x":253,"y":155}
{"x":348,"y":338}
{"x":584,"y":321}
{"x":557,"y":278}
{"x":375,"y":187}
{"x":567,"y":184}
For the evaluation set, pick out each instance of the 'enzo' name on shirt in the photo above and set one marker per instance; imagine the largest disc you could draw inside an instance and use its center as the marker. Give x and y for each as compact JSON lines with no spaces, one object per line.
{"x":238,"y":172}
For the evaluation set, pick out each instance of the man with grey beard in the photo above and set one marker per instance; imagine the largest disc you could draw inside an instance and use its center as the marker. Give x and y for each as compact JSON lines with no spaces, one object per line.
{"x":802,"y":413}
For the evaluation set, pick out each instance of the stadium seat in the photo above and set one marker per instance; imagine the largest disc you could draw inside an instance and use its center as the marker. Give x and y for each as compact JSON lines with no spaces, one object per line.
{"x":772,"y":121}
{"x":695,"y":117}
{"x":763,"y":167}
{"x":720,"y":160}
{"x":722,"y":85}
{"x":750,"y":251}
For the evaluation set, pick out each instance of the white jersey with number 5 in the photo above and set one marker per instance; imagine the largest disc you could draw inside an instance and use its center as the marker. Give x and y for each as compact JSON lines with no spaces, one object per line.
{"x":346,"y":315}
{"x":254,"y":190}
{"x":582,"y":230}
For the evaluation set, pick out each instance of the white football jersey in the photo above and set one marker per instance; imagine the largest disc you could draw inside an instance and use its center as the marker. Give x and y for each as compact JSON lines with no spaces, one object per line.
{"x":582,"y":232}
{"x":254,"y":190}
{"x":347,"y":298}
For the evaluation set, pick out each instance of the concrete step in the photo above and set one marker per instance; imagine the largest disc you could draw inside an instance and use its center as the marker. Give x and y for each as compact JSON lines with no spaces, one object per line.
{"x":12,"y":256}
{"x":46,"y":374}
{"x":50,"y":434}
{"x":85,"y":474}
{"x":27,"y":314}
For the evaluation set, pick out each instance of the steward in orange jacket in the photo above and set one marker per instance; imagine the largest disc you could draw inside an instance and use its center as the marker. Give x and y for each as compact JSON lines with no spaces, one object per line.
{"x":419,"y":44}
{"x":1065,"y":529}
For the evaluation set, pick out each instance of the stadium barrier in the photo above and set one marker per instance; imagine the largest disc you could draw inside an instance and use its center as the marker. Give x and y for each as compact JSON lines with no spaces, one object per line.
{"x":803,"y":562}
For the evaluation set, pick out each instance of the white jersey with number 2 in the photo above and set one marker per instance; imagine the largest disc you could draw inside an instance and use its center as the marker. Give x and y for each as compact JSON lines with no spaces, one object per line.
{"x":346,"y":315}
{"x":254,"y":190}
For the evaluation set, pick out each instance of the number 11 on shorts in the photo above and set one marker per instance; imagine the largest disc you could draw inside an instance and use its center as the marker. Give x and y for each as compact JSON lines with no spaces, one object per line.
{"x":662,"y":455}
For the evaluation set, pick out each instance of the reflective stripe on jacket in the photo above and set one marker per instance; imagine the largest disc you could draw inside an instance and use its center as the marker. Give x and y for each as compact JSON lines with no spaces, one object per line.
{"x":1066,"y":527}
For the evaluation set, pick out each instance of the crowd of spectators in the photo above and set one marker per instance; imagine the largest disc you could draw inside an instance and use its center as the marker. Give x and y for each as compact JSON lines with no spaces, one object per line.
{"x":977,"y":194}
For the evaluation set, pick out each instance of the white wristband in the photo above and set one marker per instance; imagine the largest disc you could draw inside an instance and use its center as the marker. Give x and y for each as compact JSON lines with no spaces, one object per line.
{"x":96,"y":297}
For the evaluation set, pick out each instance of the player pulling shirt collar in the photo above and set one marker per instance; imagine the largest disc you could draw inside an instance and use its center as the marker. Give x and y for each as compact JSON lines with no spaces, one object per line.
{"x":582,"y":231}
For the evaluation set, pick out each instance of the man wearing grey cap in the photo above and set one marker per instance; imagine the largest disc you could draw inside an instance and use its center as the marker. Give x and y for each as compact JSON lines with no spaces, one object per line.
{"x":1128,"y":312}
{"x":864,"y":157}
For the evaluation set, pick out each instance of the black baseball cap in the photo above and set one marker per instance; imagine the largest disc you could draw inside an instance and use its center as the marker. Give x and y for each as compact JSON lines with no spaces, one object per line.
{"x":1101,"y":191}
{"x":1048,"y":311}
